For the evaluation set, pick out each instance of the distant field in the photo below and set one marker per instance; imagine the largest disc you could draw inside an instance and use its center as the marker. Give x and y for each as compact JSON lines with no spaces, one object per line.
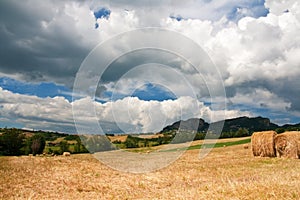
{"x":149,"y":136}
{"x":121,"y":138}
{"x":226,"y":173}
{"x":197,"y":144}
{"x":220,"y":144}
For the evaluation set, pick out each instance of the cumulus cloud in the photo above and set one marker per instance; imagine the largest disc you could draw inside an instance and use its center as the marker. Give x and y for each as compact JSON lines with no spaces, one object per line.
{"x":280,"y":6}
{"x":46,"y":41}
{"x":128,"y":115}
{"x":261,"y":98}
{"x":254,"y":53}
{"x":263,"y":53}
{"x":34,"y":112}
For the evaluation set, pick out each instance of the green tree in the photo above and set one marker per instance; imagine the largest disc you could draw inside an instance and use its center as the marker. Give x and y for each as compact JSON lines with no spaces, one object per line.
{"x":72,"y":137}
{"x":38,"y":144}
{"x":131,"y":142}
{"x":242,"y":132}
{"x":280,"y":130}
{"x":64,"y":146}
{"x":79,"y":147}
{"x":35,"y":144}
{"x":12,"y":141}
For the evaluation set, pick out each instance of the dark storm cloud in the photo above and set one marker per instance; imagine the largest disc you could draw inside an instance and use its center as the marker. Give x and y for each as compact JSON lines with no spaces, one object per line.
{"x":35,"y":46}
{"x":39,"y":40}
{"x":138,"y":65}
{"x":133,"y":59}
{"x":287,"y":89}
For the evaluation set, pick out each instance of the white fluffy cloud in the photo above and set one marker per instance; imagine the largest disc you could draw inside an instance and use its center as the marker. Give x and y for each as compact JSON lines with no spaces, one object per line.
{"x":280,"y":6}
{"x":130,"y":114}
{"x":263,"y":48}
{"x":261,"y":98}
{"x":254,"y":54}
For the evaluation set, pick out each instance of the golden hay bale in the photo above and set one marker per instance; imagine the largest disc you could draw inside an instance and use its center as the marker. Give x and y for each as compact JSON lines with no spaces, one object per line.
{"x":262,"y":144}
{"x":287,"y":144}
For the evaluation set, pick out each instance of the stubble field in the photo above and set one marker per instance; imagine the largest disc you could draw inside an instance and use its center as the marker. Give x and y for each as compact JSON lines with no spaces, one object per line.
{"x":226,"y":173}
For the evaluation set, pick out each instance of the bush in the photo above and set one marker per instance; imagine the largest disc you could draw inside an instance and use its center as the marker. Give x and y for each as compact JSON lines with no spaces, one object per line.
{"x":35,"y":144}
{"x":280,"y":130}
{"x":11,"y":142}
{"x":72,"y":137}
{"x":79,"y":147}
{"x":64,"y":146}
{"x":132,"y":142}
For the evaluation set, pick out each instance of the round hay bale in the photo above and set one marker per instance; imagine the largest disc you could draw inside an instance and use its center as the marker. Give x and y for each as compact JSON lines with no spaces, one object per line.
{"x":287,"y":144}
{"x":262,"y":143}
{"x":246,"y":146}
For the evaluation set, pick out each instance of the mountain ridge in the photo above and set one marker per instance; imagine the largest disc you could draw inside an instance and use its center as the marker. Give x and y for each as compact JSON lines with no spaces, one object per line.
{"x":252,"y":124}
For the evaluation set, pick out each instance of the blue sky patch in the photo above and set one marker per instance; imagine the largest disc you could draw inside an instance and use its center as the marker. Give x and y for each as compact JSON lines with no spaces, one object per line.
{"x":255,"y":8}
{"x":102,"y":13}
{"x":176,"y":17}
{"x":42,"y":90}
{"x":277,"y":117}
{"x":11,"y":123}
{"x":154,"y":92}
{"x":147,"y":93}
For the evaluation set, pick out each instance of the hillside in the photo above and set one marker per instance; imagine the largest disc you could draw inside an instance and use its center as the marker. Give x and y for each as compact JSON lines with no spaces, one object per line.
{"x":230,"y":125}
{"x":190,"y":124}
{"x":251,"y":124}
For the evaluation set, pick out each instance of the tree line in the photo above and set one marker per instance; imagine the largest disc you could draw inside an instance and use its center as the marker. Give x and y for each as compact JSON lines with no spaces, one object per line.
{"x":14,"y":142}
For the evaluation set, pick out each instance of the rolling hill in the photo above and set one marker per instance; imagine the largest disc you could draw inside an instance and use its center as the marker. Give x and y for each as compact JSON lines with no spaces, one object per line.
{"x":230,"y":125}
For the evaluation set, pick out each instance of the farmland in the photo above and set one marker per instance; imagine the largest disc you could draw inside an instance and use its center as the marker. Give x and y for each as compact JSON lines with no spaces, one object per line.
{"x":229,"y":172}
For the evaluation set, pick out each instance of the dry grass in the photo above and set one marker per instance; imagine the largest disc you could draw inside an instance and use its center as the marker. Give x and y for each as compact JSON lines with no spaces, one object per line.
{"x":58,"y":140}
{"x":121,"y":138}
{"x":288,"y":144}
{"x":226,"y":173}
{"x":263,"y":144}
{"x":28,"y":134}
{"x":150,"y":136}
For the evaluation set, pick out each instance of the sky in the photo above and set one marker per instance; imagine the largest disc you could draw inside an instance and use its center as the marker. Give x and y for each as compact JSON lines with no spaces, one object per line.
{"x":52,"y":77}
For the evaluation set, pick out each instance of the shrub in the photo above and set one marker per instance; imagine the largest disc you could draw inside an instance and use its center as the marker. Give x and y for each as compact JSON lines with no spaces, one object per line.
{"x":64,"y":146}
{"x":11,"y":142}
{"x":35,"y":144}
{"x":72,"y":137}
